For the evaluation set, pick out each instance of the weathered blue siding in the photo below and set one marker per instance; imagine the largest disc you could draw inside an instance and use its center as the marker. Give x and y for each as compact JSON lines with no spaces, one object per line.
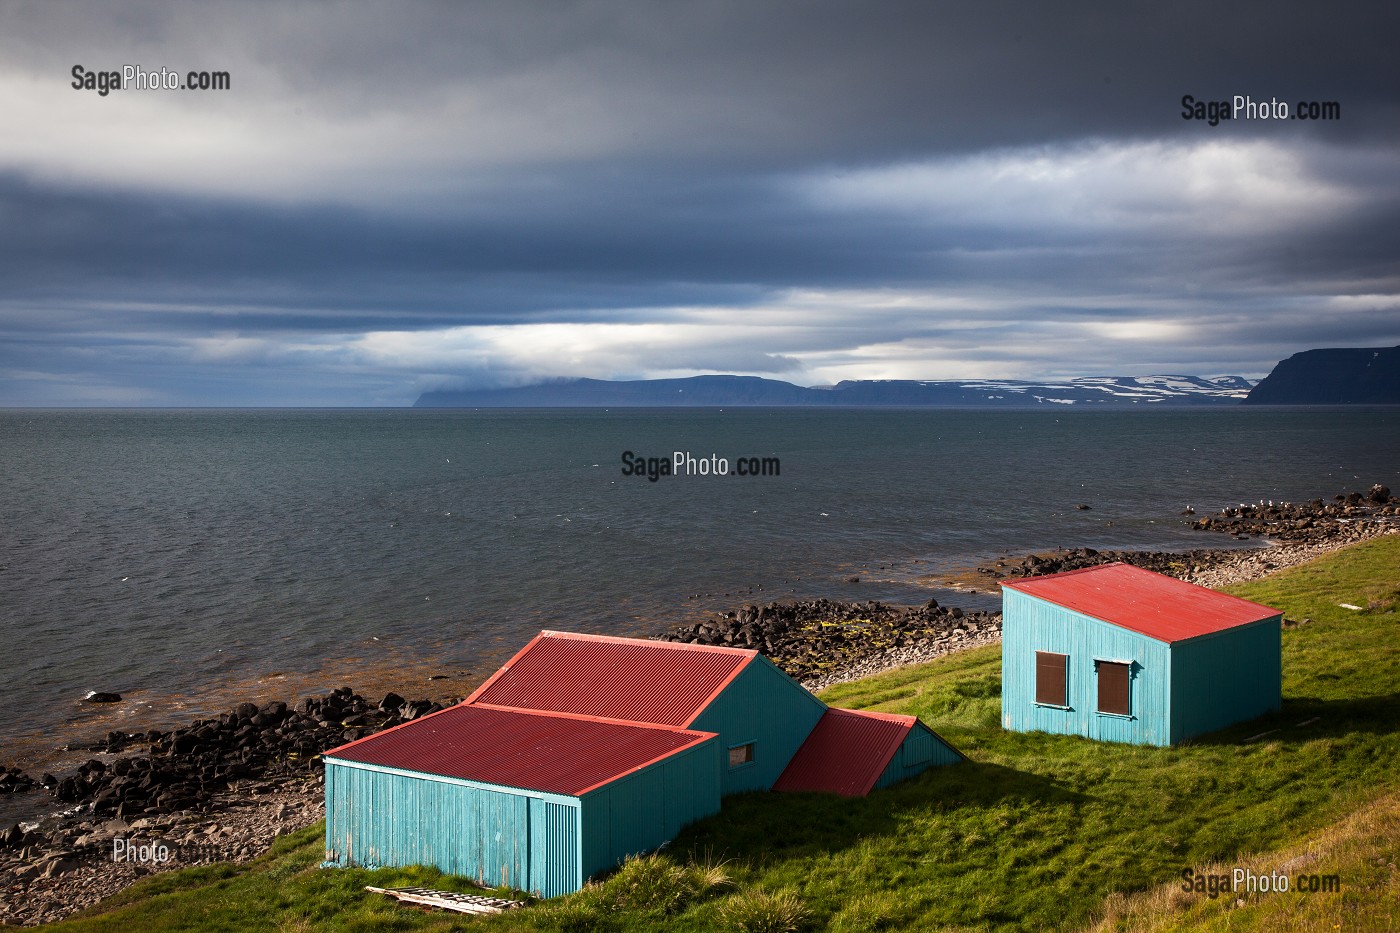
{"x":764,"y":706}
{"x":919,"y":751}
{"x":1226,"y":677}
{"x":1030,"y":624}
{"x":545,"y":843}
{"x":377,"y":816}
{"x":555,"y":865}
{"x":639,"y":812}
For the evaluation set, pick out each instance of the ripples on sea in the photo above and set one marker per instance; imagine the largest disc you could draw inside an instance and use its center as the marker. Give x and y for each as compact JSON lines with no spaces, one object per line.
{"x":186,"y":558}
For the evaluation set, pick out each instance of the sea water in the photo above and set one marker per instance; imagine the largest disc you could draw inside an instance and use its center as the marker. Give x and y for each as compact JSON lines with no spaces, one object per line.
{"x":187,"y":559}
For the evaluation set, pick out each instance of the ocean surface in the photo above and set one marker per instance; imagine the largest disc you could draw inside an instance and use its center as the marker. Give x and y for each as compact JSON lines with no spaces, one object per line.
{"x":190,"y":559}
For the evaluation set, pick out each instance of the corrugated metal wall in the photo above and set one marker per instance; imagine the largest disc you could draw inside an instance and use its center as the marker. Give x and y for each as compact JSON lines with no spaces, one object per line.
{"x":1030,"y":625}
{"x":639,"y":812}
{"x":377,"y":816}
{"x":1225,"y":678}
{"x":919,"y":751}
{"x":764,"y":706}
{"x":545,"y":843}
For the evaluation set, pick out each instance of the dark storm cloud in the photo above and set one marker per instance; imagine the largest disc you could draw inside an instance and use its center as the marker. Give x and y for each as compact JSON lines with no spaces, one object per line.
{"x":414,"y":194}
{"x":833,"y":81}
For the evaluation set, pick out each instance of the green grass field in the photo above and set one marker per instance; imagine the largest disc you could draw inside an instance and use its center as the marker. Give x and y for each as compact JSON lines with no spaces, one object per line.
{"x":1036,"y":832}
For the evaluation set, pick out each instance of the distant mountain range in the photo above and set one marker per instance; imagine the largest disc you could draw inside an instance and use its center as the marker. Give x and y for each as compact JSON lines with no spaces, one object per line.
{"x":1359,"y":376}
{"x":1347,"y":376}
{"x":737,"y":391}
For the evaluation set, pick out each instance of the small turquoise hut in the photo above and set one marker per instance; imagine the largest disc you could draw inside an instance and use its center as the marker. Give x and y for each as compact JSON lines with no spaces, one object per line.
{"x":584,"y":749}
{"x":1122,"y":654}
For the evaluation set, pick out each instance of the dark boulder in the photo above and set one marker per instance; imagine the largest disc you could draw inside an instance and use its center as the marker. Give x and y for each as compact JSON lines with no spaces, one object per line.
{"x":69,"y":789}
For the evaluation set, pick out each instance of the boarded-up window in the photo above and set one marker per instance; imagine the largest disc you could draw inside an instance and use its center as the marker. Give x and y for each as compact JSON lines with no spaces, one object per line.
{"x":1050,"y":678}
{"x":1113,"y":687}
{"x":740,"y":755}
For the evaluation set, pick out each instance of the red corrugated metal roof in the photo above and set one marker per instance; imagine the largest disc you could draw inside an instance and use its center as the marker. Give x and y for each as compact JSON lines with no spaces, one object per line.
{"x":1148,"y":603}
{"x":846,"y":753}
{"x":551,"y":752}
{"x":658,"y":682}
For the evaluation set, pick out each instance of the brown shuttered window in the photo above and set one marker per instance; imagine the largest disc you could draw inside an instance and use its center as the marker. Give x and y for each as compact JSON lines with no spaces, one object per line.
{"x":1113,"y":687}
{"x":1050,"y":678}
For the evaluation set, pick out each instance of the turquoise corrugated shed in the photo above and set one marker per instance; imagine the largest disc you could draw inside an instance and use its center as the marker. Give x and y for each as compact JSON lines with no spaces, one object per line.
{"x":641,"y":811}
{"x":378,"y":816}
{"x":921,"y":749}
{"x":1176,"y":689}
{"x":765,"y":707}
{"x":548,"y":844}
{"x":1030,"y":625}
{"x":1210,"y":686}
{"x":851,"y":752}
{"x":619,"y":744}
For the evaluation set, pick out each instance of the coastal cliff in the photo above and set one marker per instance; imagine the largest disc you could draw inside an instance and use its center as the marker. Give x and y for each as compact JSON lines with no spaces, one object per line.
{"x":1341,"y":376}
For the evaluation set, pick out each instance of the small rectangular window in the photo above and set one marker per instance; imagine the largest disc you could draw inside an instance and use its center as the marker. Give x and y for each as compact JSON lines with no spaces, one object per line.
{"x":1114,"y":680}
{"x":1050,"y":678}
{"x":741,"y":755}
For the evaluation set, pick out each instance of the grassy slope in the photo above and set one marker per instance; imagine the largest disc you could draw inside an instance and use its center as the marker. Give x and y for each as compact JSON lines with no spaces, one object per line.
{"x":1036,"y":832}
{"x":1361,"y":851}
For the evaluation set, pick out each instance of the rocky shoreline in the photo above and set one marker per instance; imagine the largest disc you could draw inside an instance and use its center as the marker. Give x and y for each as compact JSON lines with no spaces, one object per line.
{"x":220,"y":789}
{"x":223,"y":789}
{"x":821,"y":643}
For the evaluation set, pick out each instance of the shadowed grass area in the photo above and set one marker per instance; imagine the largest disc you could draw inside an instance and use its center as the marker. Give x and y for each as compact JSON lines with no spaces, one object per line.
{"x":1036,"y":832}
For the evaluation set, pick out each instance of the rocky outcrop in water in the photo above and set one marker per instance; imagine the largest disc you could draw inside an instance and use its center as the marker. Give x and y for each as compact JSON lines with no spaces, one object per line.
{"x":1171,"y":563}
{"x":1347,"y":517}
{"x":1310,"y":521}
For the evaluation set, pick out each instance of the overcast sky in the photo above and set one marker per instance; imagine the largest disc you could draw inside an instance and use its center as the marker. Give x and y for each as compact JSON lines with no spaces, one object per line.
{"x":398,"y":197}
